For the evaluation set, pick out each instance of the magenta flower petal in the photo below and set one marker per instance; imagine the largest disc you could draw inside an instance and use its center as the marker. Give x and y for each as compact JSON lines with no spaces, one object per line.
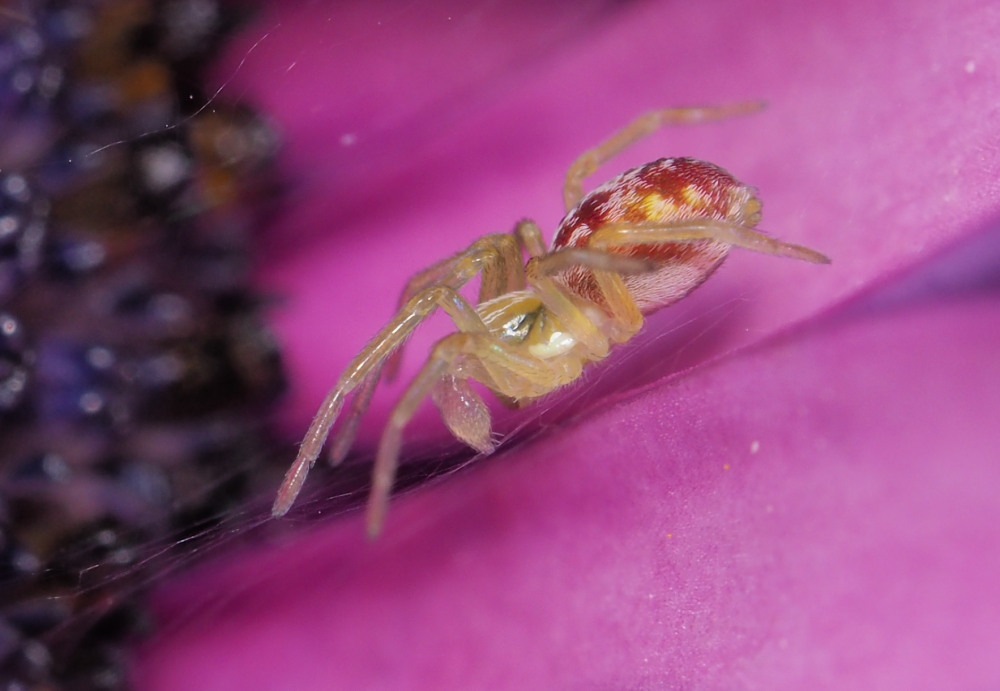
{"x":873,"y":147}
{"x":818,"y":511}
{"x":812,"y":509}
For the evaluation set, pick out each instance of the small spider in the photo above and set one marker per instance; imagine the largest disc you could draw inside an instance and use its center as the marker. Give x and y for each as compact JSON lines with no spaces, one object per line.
{"x":635,"y":244}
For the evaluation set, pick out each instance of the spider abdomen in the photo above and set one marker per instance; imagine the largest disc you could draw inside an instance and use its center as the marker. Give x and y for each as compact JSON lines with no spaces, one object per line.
{"x":669,"y":190}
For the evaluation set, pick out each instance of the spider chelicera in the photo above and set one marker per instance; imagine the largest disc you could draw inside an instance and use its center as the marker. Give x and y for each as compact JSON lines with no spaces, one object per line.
{"x":637,"y":243}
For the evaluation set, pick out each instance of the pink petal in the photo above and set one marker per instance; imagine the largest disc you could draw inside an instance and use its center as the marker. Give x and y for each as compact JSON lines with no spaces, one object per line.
{"x":815,"y":510}
{"x":874,"y":147}
{"x":818,"y":511}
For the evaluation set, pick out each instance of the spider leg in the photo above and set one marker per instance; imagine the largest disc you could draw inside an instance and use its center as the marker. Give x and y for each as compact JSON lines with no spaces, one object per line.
{"x":491,"y":352}
{"x":343,"y":439}
{"x":529,"y":236}
{"x":702,"y":229}
{"x":591,"y":258}
{"x":591,"y":327}
{"x":364,"y":366}
{"x":643,"y":126}
{"x":496,"y":257}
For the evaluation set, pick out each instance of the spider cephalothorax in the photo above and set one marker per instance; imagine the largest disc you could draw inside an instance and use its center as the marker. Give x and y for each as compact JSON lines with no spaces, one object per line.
{"x":631,"y":246}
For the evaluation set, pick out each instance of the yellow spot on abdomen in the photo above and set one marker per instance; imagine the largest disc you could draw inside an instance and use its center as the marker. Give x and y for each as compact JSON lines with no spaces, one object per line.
{"x":693,"y":195}
{"x":654,"y":206}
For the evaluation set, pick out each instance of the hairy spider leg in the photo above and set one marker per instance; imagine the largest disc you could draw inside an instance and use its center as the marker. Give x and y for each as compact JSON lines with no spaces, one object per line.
{"x":529,"y":235}
{"x":644,"y":125}
{"x":592,"y":328}
{"x":371,"y":357}
{"x":496,"y":257}
{"x":348,"y":431}
{"x":605,"y":264}
{"x":702,"y":229}
{"x":487,"y":349}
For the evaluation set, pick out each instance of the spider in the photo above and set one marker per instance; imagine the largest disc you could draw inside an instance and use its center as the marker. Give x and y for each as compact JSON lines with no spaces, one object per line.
{"x":633,"y":245}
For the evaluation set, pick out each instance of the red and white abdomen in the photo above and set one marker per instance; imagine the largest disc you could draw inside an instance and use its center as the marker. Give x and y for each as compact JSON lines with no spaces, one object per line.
{"x":664,"y":191}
